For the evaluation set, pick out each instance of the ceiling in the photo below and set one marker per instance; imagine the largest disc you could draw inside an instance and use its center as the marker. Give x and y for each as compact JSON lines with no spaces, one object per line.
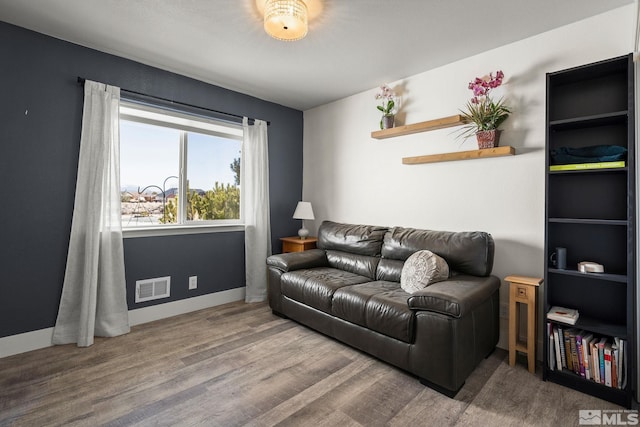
{"x":352,"y":45}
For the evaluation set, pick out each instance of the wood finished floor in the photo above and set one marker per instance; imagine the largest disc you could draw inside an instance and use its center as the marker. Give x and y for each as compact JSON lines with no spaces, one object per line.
{"x":238,"y":364}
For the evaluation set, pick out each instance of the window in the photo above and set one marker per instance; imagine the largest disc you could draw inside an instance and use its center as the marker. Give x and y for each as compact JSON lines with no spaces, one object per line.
{"x":177,"y":169}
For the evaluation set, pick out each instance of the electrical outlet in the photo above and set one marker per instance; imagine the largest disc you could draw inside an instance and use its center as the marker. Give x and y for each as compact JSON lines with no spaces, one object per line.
{"x":193,"y":282}
{"x":504,"y":310}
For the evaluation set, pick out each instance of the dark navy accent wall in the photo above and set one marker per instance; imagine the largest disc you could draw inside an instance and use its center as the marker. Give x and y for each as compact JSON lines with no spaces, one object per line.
{"x":213,"y":257}
{"x":40,"y":122}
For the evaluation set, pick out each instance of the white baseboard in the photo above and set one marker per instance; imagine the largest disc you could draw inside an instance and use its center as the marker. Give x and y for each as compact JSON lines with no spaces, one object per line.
{"x":174,"y":308}
{"x":21,"y":343}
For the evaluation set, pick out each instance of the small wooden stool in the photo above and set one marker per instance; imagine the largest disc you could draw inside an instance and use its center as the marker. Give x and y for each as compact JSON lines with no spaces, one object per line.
{"x":523,"y":290}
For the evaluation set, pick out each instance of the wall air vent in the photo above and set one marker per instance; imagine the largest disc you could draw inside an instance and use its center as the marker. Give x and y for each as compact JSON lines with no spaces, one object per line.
{"x":150,"y":289}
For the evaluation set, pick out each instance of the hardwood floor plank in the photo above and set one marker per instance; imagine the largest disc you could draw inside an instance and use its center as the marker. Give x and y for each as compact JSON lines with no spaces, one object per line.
{"x":333,"y":400}
{"x":147,"y":413}
{"x":287,"y":408}
{"x":380,"y":402}
{"x":234,"y":344}
{"x":319,"y":417}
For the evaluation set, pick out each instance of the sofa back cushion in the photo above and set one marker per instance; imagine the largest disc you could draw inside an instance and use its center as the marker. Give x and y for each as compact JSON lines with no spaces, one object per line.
{"x":389,"y":269}
{"x":363,"y":265}
{"x":351,"y":238}
{"x":468,"y":252}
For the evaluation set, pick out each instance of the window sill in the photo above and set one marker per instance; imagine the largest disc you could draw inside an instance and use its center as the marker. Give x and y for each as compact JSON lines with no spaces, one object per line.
{"x":129,"y":233}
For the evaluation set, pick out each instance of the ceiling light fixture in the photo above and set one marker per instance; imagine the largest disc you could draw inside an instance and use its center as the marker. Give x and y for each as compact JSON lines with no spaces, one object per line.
{"x":286,"y":19}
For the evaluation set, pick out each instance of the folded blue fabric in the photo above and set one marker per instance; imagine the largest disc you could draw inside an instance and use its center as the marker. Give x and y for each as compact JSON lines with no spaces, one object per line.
{"x":592,"y":154}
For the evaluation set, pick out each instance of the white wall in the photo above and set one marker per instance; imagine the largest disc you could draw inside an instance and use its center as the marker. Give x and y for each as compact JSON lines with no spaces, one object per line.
{"x":350,"y":177}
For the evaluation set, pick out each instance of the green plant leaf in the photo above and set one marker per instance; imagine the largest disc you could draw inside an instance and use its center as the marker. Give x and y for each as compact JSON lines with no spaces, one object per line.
{"x":485,"y":115}
{"x":390,"y":106}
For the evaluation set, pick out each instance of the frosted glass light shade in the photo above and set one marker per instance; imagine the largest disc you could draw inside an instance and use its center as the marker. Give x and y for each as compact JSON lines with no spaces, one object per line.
{"x":286,"y":19}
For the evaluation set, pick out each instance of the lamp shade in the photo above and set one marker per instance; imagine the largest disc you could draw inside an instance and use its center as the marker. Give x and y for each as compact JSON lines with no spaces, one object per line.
{"x":303,"y":211}
{"x":286,"y":19}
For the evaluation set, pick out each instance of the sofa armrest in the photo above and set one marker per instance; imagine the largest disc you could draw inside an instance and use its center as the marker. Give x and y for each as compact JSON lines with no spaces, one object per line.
{"x":298,"y":260}
{"x":455,"y":297}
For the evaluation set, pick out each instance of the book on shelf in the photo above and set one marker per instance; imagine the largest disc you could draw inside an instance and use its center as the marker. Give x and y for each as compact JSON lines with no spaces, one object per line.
{"x":551,"y":357}
{"x":567,"y":349}
{"x":580,"y":351}
{"x":586,"y":355}
{"x":594,"y":358}
{"x":601,"y":345}
{"x":607,"y":365}
{"x":574,"y":350}
{"x":595,"y":361}
{"x":562,"y":314}
{"x":559,"y":360}
{"x":584,"y":166}
{"x":620,"y":361}
{"x":614,"y":367}
{"x":563,"y":354}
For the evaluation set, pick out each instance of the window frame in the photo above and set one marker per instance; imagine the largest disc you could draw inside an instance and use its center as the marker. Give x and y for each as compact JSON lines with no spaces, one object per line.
{"x":144,"y":113}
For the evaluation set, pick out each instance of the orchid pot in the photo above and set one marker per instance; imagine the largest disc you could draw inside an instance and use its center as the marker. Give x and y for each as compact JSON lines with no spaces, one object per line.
{"x":387,"y":121}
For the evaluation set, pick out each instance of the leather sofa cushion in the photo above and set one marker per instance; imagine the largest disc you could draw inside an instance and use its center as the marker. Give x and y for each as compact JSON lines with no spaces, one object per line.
{"x":469,"y":252}
{"x":352,"y":238}
{"x":315,"y":286}
{"x":389,"y":269}
{"x":380,"y":306}
{"x":359,"y":264}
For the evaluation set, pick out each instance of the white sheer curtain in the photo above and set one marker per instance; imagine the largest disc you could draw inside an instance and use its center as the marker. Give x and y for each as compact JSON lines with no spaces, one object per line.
{"x":93,"y":301}
{"x":254,"y":179}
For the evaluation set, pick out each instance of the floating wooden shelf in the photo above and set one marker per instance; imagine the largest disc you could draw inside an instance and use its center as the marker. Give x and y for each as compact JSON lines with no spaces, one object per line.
{"x":445,"y":122}
{"x":461,"y":155}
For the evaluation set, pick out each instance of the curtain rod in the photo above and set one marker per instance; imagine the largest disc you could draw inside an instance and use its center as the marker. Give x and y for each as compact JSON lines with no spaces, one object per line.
{"x":81,"y":80}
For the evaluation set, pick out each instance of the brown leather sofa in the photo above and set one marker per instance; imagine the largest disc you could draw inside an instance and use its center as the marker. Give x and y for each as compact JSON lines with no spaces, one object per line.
{"x":349,"y":289}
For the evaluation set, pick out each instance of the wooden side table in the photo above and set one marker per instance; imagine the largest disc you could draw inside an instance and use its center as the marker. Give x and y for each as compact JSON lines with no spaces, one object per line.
{"x":523,"y":290}
{"x":296,"y":244}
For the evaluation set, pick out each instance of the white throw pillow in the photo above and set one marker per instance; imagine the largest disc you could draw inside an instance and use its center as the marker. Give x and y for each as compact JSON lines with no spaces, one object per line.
{"x":422,"y":269}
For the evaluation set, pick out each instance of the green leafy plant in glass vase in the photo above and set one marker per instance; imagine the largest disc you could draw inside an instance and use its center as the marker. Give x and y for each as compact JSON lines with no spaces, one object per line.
{"x":388,"y":106}
{"x":483,"y":115}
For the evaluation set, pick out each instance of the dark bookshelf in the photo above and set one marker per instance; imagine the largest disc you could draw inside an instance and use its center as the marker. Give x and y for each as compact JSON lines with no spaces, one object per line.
{"x":591,"y":212}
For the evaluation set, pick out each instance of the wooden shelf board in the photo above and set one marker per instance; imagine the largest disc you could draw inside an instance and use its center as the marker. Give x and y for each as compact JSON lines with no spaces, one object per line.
{"x":461,"y":155}
{"x":444,"y":122}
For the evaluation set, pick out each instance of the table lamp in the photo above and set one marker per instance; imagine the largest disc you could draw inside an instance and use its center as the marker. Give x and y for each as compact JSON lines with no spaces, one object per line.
{"x":303,"y":211}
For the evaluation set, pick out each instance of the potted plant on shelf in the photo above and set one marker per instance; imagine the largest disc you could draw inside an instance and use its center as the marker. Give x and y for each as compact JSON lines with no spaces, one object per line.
{"x":387,"y":107}
{"x":484,"y":115}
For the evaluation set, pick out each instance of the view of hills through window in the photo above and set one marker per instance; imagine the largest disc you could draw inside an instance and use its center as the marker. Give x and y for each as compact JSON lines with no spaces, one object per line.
{"x":150,"y":159}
